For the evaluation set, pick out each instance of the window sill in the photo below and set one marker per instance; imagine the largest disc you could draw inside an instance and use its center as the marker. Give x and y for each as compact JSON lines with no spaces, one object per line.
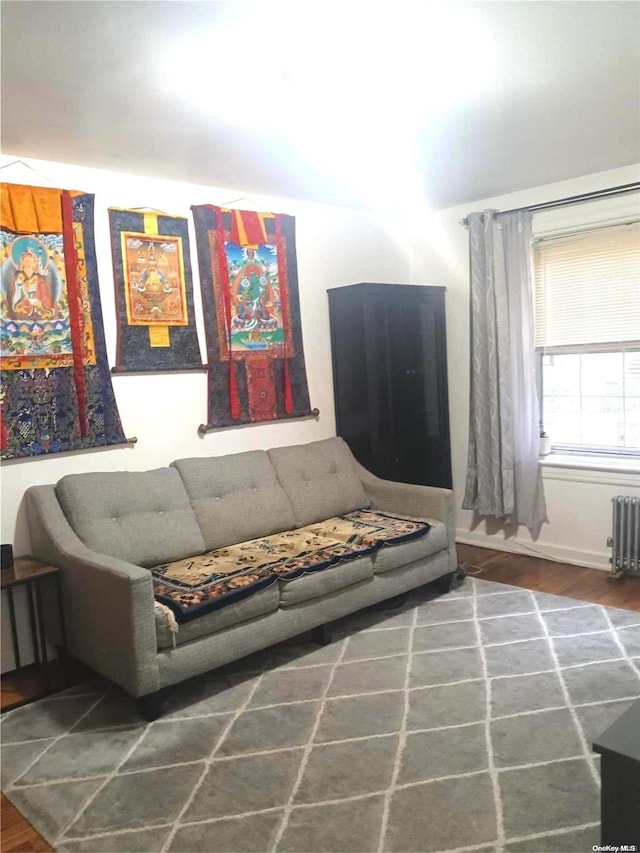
{"x":611,"y":470}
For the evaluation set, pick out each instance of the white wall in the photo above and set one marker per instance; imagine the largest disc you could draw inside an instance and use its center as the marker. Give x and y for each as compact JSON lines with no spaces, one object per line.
{"x":335,"y":246}
{"x":578,"y":500}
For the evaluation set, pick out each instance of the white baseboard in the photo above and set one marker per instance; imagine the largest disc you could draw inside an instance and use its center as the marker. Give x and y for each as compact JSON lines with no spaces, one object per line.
{"x":556,"y":553}
{"x":23,"y":628}
{"x":7,"y":660}
{"x":27,"y":657}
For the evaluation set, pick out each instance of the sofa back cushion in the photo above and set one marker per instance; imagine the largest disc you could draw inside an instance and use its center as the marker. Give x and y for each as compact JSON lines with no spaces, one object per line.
{"x":143,"y":517}
{"x":319,"y":479}
{"x":235,"y":497}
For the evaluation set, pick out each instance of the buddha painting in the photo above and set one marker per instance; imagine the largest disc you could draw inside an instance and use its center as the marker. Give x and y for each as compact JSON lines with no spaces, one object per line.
{"x":34,"y":315}
{"x":30,"y":283}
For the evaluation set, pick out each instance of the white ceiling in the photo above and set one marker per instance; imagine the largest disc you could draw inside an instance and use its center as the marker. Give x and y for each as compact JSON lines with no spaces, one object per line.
{"x":540,"y":92}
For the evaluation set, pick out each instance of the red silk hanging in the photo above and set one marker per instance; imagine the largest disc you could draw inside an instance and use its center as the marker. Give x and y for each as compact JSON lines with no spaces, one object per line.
{"x":284,"y":301}
{"x":75,"y":314}
{"x":234,"y":397}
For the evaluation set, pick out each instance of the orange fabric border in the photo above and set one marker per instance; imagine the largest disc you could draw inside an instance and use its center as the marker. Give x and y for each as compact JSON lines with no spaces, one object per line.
{"x":31,"y":210}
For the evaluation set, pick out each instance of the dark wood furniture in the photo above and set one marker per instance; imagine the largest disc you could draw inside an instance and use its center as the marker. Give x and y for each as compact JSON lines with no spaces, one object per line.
{"x":619,"y":747}
{"x":388,"y":344}
{"x":29,"y":572}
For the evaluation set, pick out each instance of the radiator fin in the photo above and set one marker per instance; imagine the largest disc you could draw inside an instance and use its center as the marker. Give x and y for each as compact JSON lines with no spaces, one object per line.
{"x":625,"y":534}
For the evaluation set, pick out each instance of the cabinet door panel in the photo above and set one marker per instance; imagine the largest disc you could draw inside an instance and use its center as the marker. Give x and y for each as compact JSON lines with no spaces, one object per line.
{"x":403,"y":369}
{"x":403,"y":362}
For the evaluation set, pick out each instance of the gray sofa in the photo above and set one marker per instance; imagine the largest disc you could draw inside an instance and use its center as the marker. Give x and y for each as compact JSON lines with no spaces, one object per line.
{"x":105,"y":530}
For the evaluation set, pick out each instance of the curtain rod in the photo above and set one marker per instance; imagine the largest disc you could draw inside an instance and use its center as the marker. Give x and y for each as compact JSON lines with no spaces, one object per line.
{"x":573,"y":199}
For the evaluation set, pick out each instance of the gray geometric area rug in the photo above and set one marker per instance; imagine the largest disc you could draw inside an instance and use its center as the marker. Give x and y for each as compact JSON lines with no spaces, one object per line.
{"x":461,"y":722}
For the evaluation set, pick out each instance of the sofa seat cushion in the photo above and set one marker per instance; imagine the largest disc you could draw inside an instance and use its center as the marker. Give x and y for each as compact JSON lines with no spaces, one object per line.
{"x":320,"y":479}
{"x":200,"y":584}
{"x":143,"y":517}
{"x":236,"y":497}
{"x":393,"y":556}
{"x":318,"y":584}
{"x":262,"y":602}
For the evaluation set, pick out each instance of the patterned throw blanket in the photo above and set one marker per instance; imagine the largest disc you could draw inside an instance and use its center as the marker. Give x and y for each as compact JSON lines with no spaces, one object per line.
{"x":198,"y":585}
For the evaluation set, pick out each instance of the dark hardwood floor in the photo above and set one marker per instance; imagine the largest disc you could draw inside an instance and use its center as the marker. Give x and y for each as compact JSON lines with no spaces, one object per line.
{"x":583,"y":584}
{"x":557,"y":578}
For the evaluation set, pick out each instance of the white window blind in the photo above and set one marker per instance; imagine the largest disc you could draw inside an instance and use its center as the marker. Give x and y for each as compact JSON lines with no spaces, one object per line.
{"x":587,"y":289}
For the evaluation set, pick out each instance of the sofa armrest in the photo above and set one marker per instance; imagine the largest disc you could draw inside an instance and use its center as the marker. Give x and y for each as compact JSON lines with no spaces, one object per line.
{"x":108,"y":603}
{"x":410,"y":499}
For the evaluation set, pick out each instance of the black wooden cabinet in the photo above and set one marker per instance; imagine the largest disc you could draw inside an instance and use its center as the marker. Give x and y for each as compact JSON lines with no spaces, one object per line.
{"x":388,"y":344}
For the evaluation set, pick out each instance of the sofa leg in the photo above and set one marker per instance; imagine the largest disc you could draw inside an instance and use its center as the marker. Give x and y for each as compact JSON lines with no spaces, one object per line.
{"x":391,"y":603}
{"x":150,"y":706}
{"x":321,"y":635}
{"x":445,"y":583}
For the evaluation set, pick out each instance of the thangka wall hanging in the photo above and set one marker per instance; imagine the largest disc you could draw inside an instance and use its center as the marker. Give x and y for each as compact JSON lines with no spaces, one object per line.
{"x":56,"y":386}
{"x":154,"y":292}
{"x":249,"y":280}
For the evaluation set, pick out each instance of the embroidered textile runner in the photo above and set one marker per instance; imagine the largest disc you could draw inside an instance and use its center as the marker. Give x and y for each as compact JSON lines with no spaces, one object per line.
{"x":154,"y":292}
{"x":249,"y":280}
{"x":56,"y":387}
{"x":198,"y":585}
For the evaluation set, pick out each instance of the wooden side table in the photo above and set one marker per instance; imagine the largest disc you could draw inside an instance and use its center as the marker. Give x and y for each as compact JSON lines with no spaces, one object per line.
{"x":29,"y":572}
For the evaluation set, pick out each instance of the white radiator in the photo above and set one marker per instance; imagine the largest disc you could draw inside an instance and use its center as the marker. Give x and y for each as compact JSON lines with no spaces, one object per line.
{"x":625,"y":535}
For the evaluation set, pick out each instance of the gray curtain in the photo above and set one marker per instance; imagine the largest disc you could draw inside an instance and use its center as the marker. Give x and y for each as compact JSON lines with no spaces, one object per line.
{"x":503,"y":472}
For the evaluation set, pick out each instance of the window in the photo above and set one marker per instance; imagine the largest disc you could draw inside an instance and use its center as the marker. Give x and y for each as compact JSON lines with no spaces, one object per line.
{"x":587,"y":307}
